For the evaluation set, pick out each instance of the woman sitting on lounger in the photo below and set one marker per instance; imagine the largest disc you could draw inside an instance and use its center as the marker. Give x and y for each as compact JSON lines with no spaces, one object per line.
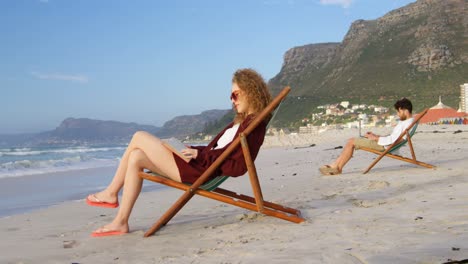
{"x":249,"y":96}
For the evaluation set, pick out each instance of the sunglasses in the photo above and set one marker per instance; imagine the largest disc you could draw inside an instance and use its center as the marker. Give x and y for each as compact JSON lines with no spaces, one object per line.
{"x":235,"y":96}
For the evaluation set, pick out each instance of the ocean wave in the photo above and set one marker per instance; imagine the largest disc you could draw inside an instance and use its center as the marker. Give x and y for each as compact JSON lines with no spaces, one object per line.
{"x":30,"y":152}
{"x":14,"y":149}
{"x":32,"y":167}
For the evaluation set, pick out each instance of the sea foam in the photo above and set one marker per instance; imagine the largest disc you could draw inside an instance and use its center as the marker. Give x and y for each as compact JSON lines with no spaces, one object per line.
{"x":15,"y":162}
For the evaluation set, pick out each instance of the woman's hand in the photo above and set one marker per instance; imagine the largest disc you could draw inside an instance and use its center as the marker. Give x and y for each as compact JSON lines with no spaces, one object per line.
{"x":190,"y":153}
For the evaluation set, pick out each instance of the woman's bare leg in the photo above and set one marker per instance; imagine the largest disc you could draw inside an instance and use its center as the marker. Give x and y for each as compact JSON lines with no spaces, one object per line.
{"x":139,"y":140}
{"x":111,"y":192}
{"x":138,"y":160}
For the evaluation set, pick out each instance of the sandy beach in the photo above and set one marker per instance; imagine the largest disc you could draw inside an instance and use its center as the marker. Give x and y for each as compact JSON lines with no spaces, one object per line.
{"x":397,"y":213}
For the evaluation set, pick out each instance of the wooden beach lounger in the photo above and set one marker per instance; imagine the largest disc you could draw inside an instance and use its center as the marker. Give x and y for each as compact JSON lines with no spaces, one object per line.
{"x":211,"y":189}
{"x":390,"y":151}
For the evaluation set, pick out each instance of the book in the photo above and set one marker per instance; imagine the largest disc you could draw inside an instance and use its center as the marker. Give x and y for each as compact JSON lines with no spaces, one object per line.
{"x":176,"y":146}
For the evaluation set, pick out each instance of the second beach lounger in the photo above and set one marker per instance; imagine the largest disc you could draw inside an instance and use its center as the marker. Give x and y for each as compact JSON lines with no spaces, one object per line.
{"x":390,"y":151}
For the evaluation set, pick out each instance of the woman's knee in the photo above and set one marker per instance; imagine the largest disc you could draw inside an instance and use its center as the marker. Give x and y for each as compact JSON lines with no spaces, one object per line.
{"x":137,"y":158}
{"x":143,"y":135}
{"x":351,"y":141}
{"x":140,"y":134}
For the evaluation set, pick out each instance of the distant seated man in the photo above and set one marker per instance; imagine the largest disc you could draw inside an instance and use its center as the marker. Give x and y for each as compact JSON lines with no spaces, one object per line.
{"x":404,"y":109}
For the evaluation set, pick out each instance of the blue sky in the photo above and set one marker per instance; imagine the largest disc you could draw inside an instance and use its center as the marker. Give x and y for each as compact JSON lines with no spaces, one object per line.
{"x":147,"y":61}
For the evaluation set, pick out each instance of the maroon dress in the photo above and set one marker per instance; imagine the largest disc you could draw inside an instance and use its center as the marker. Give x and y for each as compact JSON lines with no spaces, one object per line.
{"x":234,"y":165}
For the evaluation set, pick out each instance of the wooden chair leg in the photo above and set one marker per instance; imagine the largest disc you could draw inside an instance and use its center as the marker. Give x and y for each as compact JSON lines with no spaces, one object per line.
{"x":373,"y":163}
{"x":410,"y":145}
{"x":225,"y":196}
{"x":412,"y":161}
{"x":252,"y":174}
{"x":169,"y":214}
{"x":249,"y":199}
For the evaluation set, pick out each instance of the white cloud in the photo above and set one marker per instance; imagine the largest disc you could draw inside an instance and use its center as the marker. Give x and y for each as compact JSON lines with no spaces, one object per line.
{"x":61,"y":77}
{"x":342,"y":3}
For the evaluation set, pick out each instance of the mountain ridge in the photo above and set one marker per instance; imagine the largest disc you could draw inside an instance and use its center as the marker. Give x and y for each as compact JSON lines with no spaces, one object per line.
{"x":77,"y":131}
{"x":417,"y":51}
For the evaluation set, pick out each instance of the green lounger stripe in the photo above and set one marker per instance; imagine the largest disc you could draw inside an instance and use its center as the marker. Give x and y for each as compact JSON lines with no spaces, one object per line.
{"x":399,"y":145}
{"x":208,"y":186}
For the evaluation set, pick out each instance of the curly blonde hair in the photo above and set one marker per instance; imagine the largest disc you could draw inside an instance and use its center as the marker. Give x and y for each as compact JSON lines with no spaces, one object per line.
{"x":254,"y":89}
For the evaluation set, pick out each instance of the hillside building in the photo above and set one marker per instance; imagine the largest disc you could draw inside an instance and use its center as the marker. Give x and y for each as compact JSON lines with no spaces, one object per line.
{"x":464,"y":98}
{"x":308,"y":129}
